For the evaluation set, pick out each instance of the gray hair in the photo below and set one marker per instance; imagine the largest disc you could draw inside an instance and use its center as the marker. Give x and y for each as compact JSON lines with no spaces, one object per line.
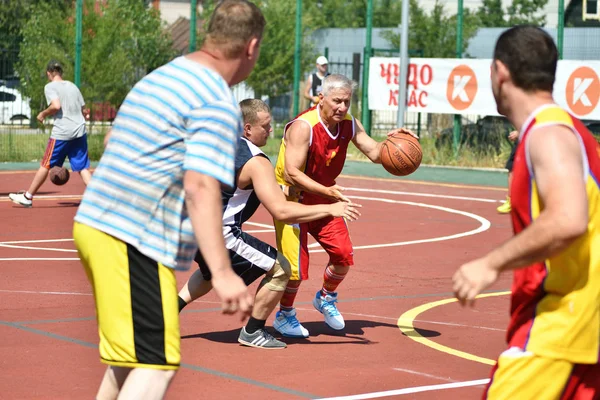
{"x":337,"y":81}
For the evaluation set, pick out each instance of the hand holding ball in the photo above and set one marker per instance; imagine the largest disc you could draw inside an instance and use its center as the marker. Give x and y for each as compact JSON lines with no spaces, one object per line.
{"x":401,"y":154}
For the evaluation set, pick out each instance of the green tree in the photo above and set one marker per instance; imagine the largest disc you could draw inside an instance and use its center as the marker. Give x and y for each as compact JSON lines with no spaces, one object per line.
{"x":526,"y":12}
{"x":274,"y":71}
{"x":435,"y":33}
{"x":353,"y":13}
{"x":122,"y":41}
{"x":491,"y":14}
{"x":14,"y":14}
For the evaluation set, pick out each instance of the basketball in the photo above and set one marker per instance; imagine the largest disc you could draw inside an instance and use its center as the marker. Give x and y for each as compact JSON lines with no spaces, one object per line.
{"x":59,"y":175}
{"x":401,"y":154}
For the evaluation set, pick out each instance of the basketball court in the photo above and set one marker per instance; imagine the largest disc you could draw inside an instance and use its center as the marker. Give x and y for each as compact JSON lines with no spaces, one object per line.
{"x":405,"y":335}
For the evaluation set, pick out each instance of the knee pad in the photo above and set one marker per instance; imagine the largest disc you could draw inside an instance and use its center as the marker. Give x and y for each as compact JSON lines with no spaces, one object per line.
{"x":277,"y":278}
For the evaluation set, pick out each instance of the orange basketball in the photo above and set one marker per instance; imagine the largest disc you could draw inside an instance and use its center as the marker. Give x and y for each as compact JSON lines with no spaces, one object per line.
{"x":59,"y":175}
{"x":401,"y":154}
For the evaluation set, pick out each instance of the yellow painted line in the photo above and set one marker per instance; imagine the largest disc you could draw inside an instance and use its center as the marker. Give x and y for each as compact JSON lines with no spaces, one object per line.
{"x":406,"y":325}
{"x":426,"y":183}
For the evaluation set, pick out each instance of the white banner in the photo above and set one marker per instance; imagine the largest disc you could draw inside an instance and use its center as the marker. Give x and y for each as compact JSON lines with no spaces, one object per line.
{"x":463,"y":86}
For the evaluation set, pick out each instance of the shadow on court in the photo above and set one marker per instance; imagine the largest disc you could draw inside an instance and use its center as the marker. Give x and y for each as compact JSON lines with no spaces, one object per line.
{"x":352,"y":334}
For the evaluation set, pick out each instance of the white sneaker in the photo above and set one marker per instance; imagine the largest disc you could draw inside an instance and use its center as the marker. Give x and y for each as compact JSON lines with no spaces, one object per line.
{"x":326,"y":306}
{"x":287,"y":324}
{"x":19,"y":198}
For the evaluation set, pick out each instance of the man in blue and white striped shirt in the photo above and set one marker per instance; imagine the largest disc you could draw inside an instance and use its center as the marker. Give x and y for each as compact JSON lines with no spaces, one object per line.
{"x":155,"y":198}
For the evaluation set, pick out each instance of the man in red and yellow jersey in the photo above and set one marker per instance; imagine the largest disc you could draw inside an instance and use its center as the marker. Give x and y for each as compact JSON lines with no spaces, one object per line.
{"x":554,"y":333}
{"x":311,"y":156}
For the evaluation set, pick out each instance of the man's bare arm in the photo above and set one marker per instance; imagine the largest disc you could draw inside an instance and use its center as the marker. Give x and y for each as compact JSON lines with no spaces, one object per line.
{"x":51,"y":110}
{"x":260,"y":172}
{"x":370,"y":147}
{"x":557,"y":163}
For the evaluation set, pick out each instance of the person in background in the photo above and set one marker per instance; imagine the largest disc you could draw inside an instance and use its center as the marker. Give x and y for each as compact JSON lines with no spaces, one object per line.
{"x":68,"y":137}
{"x":314,"y":83}
{"x":512,"y":137}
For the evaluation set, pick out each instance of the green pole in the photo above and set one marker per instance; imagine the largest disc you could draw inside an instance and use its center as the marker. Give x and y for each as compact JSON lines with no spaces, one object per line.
{"x":193,"y":11}
{"x":459,"y":50}
{"x":561,"y":27}
{"x":297,"y":55}
{"x":78,"y":29}
{"x":365,"y":118}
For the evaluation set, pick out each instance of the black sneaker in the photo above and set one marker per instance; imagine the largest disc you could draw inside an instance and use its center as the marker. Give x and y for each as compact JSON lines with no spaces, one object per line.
{"x":261,"y":339}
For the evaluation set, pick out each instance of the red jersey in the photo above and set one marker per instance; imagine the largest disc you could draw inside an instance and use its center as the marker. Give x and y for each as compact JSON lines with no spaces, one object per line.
{"x":326,"y":152}
{"x":555,"y":304}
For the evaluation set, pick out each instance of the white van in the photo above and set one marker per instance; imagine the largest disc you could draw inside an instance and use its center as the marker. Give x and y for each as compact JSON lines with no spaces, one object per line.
{"x":14,"y":108}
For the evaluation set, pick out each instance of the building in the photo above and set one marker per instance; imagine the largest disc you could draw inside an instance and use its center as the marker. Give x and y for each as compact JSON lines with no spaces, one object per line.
{"x":172,"y":10}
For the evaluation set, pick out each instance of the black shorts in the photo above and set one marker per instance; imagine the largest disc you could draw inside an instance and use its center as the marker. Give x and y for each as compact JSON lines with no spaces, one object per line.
{"x":250,"y":257}
{"x":511,"y":159}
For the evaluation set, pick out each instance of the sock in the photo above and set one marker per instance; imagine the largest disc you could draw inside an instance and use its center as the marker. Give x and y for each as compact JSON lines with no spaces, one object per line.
{"x":254,"y":325}
{"x":331,"y":280}
{"x":28,"y":196}
{"x":182,"y":303}
{"x":289,"y":295}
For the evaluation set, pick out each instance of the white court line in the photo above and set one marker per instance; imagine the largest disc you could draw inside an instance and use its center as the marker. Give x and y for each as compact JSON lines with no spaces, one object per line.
{"x":410,"y":371}
{"x":12,"y":246}
{"x":74,"y":293}
{"x":260,"y":231}
{"x":61,"y":196}
{"x":485,"y":225}
{"x":298,"y":308}
{"x":438,"y":196}
{"x":40,"y":292}
{"x":38,"y":241}
{"x":416,"y":389}
{"x":423,"y":321}
{"x":259,"y":225}
{"x":79,"y":294}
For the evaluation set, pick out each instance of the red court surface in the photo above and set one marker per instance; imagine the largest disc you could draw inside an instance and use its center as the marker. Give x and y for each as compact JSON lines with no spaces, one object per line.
{"x":405,"y":337}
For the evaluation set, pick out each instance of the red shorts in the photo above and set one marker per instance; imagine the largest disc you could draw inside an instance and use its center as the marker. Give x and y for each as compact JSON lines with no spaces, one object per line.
{"x":331,"y":233}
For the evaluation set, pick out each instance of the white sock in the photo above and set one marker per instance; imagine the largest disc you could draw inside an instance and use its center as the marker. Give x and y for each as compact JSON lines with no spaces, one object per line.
{"x":28,"y":196}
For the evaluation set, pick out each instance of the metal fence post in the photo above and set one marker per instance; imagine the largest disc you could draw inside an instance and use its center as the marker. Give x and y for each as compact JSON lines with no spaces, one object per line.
{"x":78,"y":29}
{"x":561,"y":28}
{"x":459,"y":49}
{"x":297,"y":54}
{"x":193,"y":11}
{"x":365,"y":117}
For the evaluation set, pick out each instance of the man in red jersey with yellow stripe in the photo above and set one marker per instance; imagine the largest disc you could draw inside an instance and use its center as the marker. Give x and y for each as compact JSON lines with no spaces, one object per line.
{"x":311,"y":156}
{"x":554,"y":333}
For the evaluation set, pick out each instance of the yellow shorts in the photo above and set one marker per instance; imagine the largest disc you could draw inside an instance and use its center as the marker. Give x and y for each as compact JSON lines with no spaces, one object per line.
{"x":522,"y":375}
{"x":136,"y":302}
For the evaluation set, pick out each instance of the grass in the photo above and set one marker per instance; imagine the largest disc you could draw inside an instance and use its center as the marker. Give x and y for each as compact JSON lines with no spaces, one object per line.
{"x":22,"y":144}
{"x":27,"y":145}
